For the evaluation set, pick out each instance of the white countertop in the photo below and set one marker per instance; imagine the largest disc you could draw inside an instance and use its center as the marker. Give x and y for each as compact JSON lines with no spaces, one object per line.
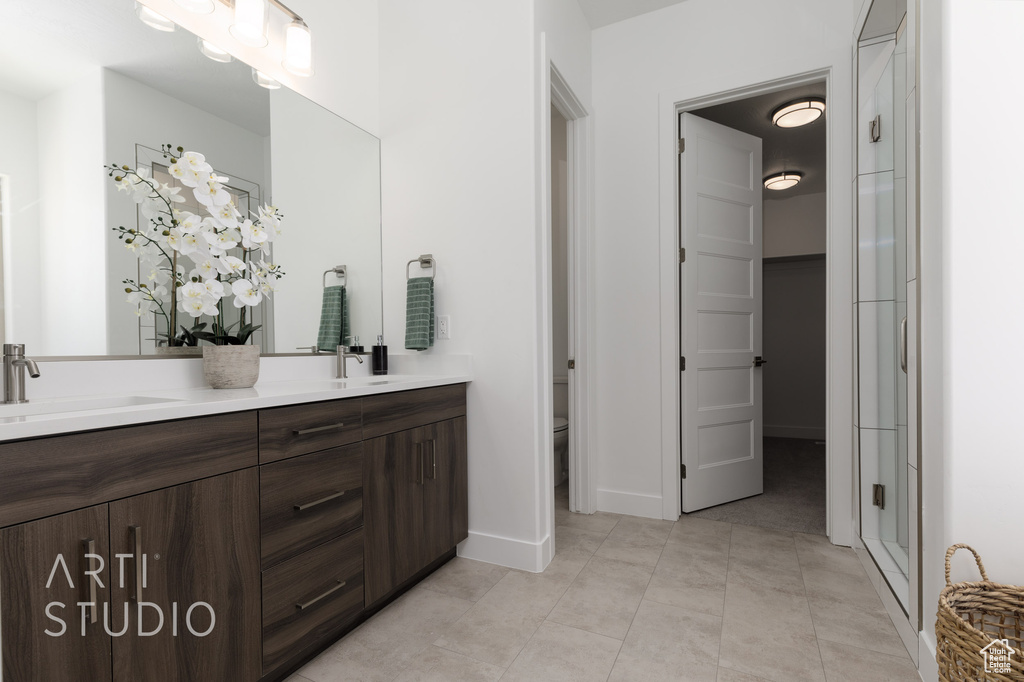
{"x":87,"y":413}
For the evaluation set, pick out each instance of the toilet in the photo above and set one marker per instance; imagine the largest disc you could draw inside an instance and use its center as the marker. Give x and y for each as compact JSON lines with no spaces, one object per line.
{"x":561,"y":450}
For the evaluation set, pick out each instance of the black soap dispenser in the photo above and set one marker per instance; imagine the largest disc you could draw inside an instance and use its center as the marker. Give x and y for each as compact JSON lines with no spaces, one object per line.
{"x":380,"y":356}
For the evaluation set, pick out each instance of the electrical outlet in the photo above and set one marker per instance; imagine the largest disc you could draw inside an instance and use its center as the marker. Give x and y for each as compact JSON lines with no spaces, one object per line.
{"x":444,"y":327}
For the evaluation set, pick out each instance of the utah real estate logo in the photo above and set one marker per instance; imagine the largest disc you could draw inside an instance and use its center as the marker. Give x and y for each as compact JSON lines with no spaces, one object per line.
{"x":997,"y":657}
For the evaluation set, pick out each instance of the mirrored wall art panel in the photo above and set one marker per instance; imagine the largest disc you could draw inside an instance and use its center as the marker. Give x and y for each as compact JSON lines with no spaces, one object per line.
{"x":86,"y":84}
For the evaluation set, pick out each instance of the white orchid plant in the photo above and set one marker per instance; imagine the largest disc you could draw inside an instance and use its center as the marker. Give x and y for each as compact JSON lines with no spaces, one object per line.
{"x":187,"y":255}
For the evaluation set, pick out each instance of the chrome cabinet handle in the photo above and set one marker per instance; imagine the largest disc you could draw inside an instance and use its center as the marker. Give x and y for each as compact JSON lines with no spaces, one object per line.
{"x":903,"y":344}
{"x":314,"y":503}
{"x":305,"y":605}
{"x":329,"y":427}
{"x":90,"y":548}
{"x":433,"y":459}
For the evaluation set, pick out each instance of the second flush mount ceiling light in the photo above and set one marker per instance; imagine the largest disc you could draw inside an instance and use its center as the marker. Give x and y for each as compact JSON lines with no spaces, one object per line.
{"x":783,"y":180}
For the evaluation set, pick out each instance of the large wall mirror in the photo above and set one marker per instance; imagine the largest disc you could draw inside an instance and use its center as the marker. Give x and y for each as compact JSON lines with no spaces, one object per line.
{"x":86,"y":83}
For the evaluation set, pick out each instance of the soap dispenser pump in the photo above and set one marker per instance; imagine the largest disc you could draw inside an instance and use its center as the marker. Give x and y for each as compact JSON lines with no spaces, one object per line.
{"x":380,"y":356}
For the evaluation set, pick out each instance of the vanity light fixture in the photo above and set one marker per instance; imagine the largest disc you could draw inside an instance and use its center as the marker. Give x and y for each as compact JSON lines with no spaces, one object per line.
{"x":197,"y":6}
{"x":264,"y":81}
{"x":799,"y":113}
{"x":154,"y":19}
{"x":298,"y":49}
{"x":783,"y":180}
{"x":250,"y":24}
{"x":215,"y":53}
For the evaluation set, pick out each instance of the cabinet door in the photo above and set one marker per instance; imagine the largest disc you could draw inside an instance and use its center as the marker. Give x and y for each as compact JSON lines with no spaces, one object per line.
{"x":394,"y":475}
{"x":445,"y":490}
{"x":187,"y":551}
{"x":77,"y":650}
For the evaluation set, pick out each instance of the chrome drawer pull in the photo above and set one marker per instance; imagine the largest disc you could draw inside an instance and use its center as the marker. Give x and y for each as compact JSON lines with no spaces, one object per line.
{"x":306,"y":605}
{"x":329,"y":427}
{"x":333,"y":496}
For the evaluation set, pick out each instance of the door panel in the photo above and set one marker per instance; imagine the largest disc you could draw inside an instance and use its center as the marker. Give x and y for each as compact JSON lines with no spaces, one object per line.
{"x":720,"y":297}
{"x":200,"y":543}
{"x":28,"y":554}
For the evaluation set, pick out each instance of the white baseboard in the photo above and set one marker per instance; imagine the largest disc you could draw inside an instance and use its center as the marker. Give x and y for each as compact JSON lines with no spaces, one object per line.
{"x":631,"y":504}
{"x":805,"y":432}
{"x":509,"y":552}
{"x":928,"y":668}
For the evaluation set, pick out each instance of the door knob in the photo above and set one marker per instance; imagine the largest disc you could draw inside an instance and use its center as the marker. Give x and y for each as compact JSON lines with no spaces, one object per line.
{"x":758,"y":361}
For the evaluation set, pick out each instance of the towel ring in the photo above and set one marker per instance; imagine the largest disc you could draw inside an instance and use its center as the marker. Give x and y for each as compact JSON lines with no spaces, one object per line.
{"x":425,"y":261}
{"x":341,"y":271}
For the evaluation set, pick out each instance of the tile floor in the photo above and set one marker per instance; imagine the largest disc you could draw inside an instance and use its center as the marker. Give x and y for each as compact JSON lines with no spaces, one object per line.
{"x":636,"y":599}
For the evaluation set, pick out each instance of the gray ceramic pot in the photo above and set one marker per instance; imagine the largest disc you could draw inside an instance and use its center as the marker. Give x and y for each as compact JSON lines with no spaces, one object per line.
{"x":231,"y":366}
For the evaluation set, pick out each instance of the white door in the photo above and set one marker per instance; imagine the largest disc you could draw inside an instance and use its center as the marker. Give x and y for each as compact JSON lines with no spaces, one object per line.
{"x":720,"y":315}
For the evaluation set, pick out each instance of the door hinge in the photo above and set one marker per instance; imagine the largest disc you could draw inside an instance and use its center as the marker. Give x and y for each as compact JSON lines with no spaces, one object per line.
{"x":878,"y":495}
{"x":682,"y":363}
{"x":572,"y":364}
{"x":682,"y":255}
{"x":682,"y":145}
{"x":684,"y":471}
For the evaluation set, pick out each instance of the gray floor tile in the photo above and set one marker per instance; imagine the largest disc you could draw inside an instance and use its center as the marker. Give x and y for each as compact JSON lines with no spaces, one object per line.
{"x":434,"y":664}
{"x":845,"y":663}
{"x":464,"y":578}
{"x":691,"y":580}
{"x":759,"y":556}
{"x":297,"y":678}
{"x":636,"y":540}
{"x":669,"y":643}
{"x":570,"y":539}
{"x":558,"y":653}
{"x":601,"y":522}
{"x":604,"y":597}
{"x":767,"y":608}
{"x":777,"y":655}
{"x":726,"y":675}
{"x":864,"y":628}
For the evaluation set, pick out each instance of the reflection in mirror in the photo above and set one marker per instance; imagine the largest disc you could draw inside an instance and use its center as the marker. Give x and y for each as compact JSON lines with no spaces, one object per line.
{"x":86,"y":84}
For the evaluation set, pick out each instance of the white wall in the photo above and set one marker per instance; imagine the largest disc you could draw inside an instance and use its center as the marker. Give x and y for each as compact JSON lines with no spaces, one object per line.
{"x":19,"y":161}
{"x":970,"y":289}
{"x":641,"y":66}
{"x":72,"y":256}
{"x":794,"y":343}
{"x":331,"y":207}
{"x":345,"y":41}
{"x":461,"y":123}
{"x":796,"y":226}
{"x":157,"y":119}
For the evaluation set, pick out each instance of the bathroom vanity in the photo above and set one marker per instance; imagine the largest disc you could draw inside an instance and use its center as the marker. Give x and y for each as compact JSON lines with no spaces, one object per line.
{"x":228,"y":546}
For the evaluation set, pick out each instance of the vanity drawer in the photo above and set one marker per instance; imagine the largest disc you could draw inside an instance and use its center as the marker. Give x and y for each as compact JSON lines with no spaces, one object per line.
{"x":310,"y":596}
{"x":309,"y":499}
{"x":290,"y":431}
{"x":49,"y":476}
{"x":393,"y":412}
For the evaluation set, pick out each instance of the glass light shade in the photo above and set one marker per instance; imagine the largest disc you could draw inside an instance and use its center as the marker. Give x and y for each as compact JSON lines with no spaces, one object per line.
{"x":298,"y":49}
{"x":796,"y":114}
{"x":783,"y":180}
{"x":264,"y":81}
{"x":153,"y":19}
{"x":250,"y":24}
{"x":197,"y":6}
{"x":213,"y":52}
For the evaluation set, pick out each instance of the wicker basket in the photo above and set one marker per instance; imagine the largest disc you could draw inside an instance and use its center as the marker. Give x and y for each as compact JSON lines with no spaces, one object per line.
{"x":972,"y":616}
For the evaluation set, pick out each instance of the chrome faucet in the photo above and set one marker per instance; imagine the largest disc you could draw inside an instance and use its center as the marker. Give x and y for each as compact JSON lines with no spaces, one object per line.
{"x":342,"y":356}
{"x":15,"y":363}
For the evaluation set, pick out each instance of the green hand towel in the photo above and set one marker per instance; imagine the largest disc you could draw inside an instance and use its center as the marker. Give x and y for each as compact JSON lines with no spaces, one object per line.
{"x":334,"y":322}
{"x":419,"y":313}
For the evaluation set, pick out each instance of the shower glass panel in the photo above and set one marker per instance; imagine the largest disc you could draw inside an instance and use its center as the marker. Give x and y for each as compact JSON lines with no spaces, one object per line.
{"x":882,"y":308}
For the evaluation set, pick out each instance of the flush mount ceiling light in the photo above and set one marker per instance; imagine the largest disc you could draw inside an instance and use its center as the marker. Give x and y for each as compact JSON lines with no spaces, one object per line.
{"x":153,"y":19}
{"x":264,"y":81}
{"x":799,"y":113}
{"x":783,"y":180}
{"x":215,"y":53}
{"x":197,"y":6}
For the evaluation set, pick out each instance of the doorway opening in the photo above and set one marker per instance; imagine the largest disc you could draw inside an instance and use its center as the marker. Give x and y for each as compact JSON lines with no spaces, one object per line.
{"x":753,"y":429}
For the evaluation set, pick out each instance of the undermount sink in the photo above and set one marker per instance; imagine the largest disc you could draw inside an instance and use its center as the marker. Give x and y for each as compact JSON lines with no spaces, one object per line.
{"x":59,"y":406}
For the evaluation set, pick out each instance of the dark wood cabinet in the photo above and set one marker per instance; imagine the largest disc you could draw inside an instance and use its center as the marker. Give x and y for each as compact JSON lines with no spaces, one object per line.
{"x":192,"y":559}
{"x":42,"y":580}
{"x":415,"y":501}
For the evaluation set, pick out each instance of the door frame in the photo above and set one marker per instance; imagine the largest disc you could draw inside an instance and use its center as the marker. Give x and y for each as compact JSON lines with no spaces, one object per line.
{"x":839,"y":259}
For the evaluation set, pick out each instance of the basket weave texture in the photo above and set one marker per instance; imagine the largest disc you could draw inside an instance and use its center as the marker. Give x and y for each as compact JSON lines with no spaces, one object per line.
{"x":971,"y":616}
